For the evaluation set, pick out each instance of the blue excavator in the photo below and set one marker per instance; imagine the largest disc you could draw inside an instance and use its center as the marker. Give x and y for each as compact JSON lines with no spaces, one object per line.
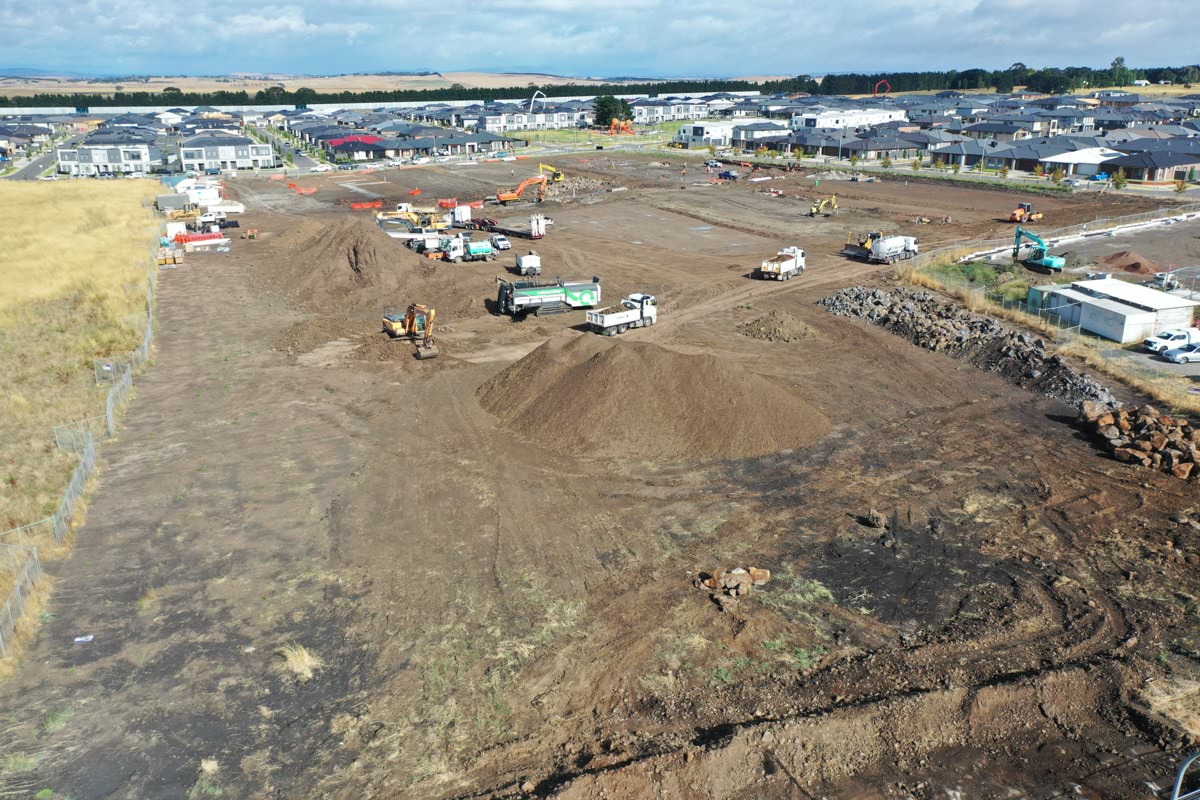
{"x":1040,"y":256}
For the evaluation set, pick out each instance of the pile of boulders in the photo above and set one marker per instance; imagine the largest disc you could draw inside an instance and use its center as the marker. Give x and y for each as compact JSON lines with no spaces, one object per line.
{"x":940,"y":325}
{"x":1145,"y":437}
{"x":725,"y":587}
{"x":573,"y":186}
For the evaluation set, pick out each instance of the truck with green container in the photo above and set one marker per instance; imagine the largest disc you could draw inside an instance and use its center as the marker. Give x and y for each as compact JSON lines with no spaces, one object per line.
{"x":518,"y":298}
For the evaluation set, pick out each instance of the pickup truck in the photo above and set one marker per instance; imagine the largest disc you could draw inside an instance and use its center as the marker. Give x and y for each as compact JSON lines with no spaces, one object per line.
{"x":635,"y":311}
{"x":1172,"y":339}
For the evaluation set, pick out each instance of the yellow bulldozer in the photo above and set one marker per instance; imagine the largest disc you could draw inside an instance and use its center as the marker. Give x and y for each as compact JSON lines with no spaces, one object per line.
{"x":414,"y":325}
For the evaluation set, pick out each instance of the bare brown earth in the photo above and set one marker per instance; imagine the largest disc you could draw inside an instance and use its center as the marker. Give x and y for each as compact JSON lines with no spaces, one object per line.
{"x":499,"y":616}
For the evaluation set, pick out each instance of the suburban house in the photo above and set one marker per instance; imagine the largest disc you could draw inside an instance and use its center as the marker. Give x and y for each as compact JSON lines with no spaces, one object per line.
{"x":220,"y":150}
{"x":651,"y":112}
{"x":712,"y":133}
{"x":114,"y":151}
{"x":999,"y":131}
{"x":1087,"y":162}
{"x":846,"y":117}
{"x":1157,"y":166}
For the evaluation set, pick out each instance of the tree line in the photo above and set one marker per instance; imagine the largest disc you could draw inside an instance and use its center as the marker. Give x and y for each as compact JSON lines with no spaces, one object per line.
{"x":1048,"y":80}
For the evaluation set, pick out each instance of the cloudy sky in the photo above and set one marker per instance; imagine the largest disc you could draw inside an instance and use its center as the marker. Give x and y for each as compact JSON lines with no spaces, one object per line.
{"x":583,"y":37}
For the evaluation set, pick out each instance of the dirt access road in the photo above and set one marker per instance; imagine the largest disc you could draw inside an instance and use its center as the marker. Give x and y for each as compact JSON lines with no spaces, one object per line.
{"x":508,"y":614}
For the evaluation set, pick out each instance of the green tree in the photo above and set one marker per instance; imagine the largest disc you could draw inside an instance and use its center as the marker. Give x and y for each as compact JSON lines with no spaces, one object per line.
{"x":1121,"y":74}
{"x":939,"y":164}
{"x":760,"y":151}
{"x":607,"y":108}
{"x":172,"y":91}
{"x":304,"y":95}
{"x":1120,"y":180}
{"x":886,"y":163}
{"x":955,"y":167}
{"x":854,"y":159}
{"x":1004,"y":172}
{"x":1058,"y":175}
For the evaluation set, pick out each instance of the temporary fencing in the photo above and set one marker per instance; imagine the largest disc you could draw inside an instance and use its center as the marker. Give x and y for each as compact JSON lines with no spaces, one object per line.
{"x":18,"y":551}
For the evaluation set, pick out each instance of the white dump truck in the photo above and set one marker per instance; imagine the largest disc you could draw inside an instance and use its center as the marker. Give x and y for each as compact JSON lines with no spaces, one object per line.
{"x":635,"y":311}
{"x":782,"y":266}
{"x":529,"y":263}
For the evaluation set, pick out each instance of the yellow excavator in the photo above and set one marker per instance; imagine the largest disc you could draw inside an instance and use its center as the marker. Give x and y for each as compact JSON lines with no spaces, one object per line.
{"x":819,"y":206}
{"x":556,"y":174}
{"x":414,"y":325}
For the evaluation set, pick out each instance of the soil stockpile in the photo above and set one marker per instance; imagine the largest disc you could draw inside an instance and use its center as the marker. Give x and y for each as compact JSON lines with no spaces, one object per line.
{"x":349,"y":266}
{"x":777,"y":326}
{"x":939,"y":325}
{"x":1130,"y":261}
{"x":594,"y":396}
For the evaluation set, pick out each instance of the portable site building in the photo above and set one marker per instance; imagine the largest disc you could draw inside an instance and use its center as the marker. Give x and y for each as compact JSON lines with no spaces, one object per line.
{"x":1117,"y":310}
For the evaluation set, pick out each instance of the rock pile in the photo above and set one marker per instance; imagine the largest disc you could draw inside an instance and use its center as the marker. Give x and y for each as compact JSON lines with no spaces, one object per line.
{"x":726,"y":586}
{"x":942,"y":326}
{"x":573,"y":186}
{"x":1145,"y":437}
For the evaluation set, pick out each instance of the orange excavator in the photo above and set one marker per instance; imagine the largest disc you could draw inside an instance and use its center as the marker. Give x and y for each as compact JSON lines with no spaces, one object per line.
{"x":511,"y":195}
{"x":620,"y":126}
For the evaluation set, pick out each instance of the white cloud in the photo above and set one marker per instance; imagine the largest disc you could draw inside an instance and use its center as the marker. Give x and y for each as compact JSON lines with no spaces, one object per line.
{"x":593,"y":37}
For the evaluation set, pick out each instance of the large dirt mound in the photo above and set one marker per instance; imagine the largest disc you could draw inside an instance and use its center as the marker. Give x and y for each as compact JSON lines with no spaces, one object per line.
{"x":777,"y":326}
{"x":592,"y":395}
{"x":1130,"y":261}
{"x":349,"y":266}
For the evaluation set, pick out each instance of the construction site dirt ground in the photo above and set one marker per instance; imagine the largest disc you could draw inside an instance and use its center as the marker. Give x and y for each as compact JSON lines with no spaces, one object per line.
{"x":502,"y":605}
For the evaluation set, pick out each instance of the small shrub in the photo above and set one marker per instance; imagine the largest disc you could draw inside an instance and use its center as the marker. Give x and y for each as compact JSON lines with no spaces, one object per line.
{"x":916,"y":165}
{"x":1120,"y":180}
{"x":1180,"y":186}
{"x":1004,"y":172}
{"x":298,"y":660}
{"x":886,"y":163}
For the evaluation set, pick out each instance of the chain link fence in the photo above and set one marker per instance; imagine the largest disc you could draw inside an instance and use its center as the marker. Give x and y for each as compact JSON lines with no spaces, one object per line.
{"x":18,"y":553}
{"x":27,"y":571}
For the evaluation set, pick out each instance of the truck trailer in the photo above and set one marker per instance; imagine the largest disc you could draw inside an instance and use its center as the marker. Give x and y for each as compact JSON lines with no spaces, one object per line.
{"x":518,"y":298}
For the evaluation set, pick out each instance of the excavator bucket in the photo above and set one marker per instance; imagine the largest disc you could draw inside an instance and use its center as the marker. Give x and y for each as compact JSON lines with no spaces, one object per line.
{"x":427,"y":351}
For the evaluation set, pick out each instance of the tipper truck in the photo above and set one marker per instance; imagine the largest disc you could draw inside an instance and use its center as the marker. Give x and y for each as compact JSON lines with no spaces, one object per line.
{"x":518,"y":298}
{"x":636,"y":311}
{"x":458,"y":250}
{"x":783,"y":266}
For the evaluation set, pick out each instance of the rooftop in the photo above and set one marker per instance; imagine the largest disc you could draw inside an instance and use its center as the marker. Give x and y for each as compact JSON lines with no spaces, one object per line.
{"x":1131,"y":294}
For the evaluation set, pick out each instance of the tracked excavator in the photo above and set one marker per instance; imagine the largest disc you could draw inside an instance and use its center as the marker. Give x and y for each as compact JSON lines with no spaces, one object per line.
{"x":504,"y":197}
{"x":414,"y":325}
{"x":1040,"y":256}
{"x":556,"y":174}
{"x":819,"y":207}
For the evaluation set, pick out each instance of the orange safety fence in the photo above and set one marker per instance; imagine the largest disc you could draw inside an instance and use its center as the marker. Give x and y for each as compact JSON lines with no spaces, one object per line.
{"x":313,"y":190}
{"x":276,"y":177}
{"x":414,"y":192}
{"x":448,"y":202}
{"x":366,"y":204}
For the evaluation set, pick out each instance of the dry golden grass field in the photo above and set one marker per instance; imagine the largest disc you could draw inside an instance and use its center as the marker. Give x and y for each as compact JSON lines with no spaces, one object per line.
{"x":73,"y":271}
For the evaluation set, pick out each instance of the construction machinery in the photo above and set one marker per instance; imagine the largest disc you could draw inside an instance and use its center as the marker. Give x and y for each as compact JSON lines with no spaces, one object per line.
{"x":1040,"y":256}
{"x":1187,"y":780}
{"x":518,"y":298}
{"x":529,"y":263}
{"x":458,"y":250}
{"x":504,"y":197}
{"x":414,"y":325}
{"x":783,"y":266}
{"x":819,"y":207}
{"x":879,"y":249}
{"x":635,"y":311}
{"x":1024,"y":213}
{"x":556,"y":174}
{"x":620,"y":126}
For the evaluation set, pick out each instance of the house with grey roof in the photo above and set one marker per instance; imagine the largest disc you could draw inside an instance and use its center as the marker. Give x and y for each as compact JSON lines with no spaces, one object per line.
{"x":220,"y":150}
{"x":112,"y":151}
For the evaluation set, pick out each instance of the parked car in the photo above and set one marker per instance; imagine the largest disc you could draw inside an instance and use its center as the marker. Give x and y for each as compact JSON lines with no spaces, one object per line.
{"x":419,"y":160}
{"x":1184,"y":355}
{"x":1073,"y":182}
{"x":712,"y":162}
{"x":1172,"y":340}
{"x":347,"y":167}
{"x":212,"y":171}
{"x":501,"y":242}
{"x":395,"y":162}
{"x":297,"y":151}
{"x":320,"y":168}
